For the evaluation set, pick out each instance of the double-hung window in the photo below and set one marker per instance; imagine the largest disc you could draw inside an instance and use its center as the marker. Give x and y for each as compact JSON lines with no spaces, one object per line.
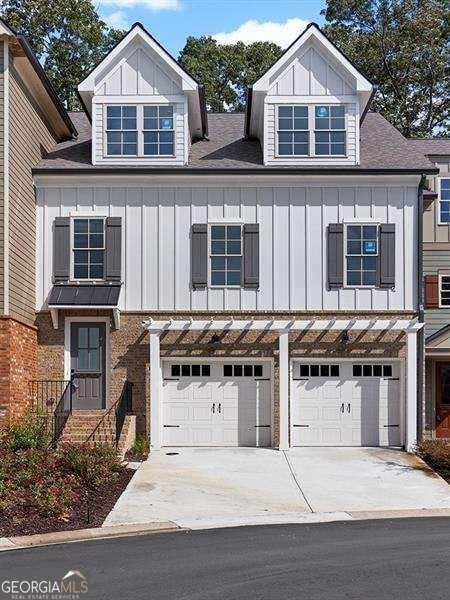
{"x":293,"y":131}
{"x":361,"y":255}
{"x":121,"y":131}
{"x":444,"y":200}
{"x":225,"y":255}
{"x":329,"y":130}
{"x":88,"y":248}
{"x":158,"y":131}
{"x":444,"y":290}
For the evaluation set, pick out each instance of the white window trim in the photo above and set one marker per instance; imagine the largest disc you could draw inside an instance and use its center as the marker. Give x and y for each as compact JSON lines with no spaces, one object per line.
{"x":311,"y":133}
{"x":439,"y":179}
{"x":140,"y":131}
{"x":359,"y":287}
{"x":224,"y":287}
{"x":72,"y":248}
{"x":442,"y":274}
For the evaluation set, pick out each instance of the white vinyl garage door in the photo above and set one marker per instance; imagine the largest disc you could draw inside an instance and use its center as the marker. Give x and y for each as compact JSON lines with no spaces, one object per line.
{"x":345,"y":404}
{"x":216,"y":404}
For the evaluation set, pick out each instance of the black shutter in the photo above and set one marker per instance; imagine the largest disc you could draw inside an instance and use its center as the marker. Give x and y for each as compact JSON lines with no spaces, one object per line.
{"x":61,"y":249}
{"x":386,"y":258}
{"x":335,"y":255}
{"x":199,"y":255}
{"x":251,"y":256}
{"x":113,"y":248}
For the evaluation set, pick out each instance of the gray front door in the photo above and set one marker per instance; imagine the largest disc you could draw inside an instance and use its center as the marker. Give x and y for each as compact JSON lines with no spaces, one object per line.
{"x":88,"y":365}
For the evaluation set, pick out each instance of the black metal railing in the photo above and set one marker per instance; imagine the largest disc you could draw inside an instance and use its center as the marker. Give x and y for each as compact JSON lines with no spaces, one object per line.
{"x":110,"y":426}
{"x":53,"y":398}
{"x":124,"y":406}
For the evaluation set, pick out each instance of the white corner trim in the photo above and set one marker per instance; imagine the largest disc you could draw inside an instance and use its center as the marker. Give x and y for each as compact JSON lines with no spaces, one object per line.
{"x":6,"y":177}
{"x":411,"y":391}
{"x":54,"y":316}
{"x":283,"y":346}
{"x":155,"y":392}
{"x":116,"y":318}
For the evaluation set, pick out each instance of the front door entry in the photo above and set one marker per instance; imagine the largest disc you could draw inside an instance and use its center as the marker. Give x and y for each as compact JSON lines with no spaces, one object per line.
{"x":443,"y":399}
{"x":88,"y":365}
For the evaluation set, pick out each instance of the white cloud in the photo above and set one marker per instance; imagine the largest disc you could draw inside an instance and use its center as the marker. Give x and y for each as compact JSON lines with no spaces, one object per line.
{"x":282,"y":34}
{"x":153,"y":5}
{"x":118,"y":20}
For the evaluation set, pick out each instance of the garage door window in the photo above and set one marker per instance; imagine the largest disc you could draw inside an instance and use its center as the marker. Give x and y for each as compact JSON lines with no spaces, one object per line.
{"x":319,"y":370}
{"x":191,"y":370}
{"x":372,"y":370}
{"x":242,"y":370}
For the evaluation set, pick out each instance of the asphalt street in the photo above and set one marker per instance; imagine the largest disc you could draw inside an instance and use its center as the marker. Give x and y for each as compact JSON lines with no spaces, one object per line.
{"x":362,"y":560}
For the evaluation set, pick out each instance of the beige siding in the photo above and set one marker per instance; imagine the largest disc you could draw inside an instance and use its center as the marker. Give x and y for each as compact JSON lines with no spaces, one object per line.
{"x":432,"y":231}
{"x":29,"y":137}
{"x":1,"y":178}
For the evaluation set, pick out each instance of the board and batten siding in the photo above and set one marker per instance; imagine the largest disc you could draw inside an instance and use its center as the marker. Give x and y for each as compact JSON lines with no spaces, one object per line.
{"x":156,"y":224}
{"x":29,"y":136}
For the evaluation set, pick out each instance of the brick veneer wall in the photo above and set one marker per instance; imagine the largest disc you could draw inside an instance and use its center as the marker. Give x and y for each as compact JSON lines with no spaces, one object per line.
{"x":129,"y":349}
{"x":18,"y":365}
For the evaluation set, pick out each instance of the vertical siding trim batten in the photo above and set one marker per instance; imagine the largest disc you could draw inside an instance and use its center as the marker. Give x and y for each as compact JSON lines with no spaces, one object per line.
{"x":6,"y":177}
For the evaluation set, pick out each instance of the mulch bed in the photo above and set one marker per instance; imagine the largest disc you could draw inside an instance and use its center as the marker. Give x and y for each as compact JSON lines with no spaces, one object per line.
{"x":86,"y":514}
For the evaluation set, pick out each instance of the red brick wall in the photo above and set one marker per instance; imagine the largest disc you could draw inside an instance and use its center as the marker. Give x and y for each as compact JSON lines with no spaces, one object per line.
{"x":18,"y":365}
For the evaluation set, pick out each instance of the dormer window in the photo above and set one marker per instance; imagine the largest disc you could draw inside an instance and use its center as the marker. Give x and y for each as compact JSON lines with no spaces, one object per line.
{"x":329,"y":130}
{"x":307,"y":131}
{"x":158,"y":131}
{"x":121,"y":130}
{"x":140,"y":131}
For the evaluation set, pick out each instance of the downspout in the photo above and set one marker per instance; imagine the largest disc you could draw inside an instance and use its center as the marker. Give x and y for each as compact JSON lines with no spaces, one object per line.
{"x":5,"y":177}
{"x":420,"y":313}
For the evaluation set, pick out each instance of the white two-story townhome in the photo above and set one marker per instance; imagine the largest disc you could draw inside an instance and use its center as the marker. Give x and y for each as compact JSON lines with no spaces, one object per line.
{"x":255,"y":277}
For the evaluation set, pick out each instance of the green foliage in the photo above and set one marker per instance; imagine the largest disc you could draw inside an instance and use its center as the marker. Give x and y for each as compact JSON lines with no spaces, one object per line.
{"x":93,"y":465}
{"x":403,"y":46}
{"x":32,"y":430}
{"x":69,"y":38}
{"x":437,"y":454}
{"x":226,"y":70}
{"x":141,"y":445}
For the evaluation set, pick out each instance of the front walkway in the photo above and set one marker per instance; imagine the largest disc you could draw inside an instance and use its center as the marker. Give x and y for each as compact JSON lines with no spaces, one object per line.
{"x":206,"y":487}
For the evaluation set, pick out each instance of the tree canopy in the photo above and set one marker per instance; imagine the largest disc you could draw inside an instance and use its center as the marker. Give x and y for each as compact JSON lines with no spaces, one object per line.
{"x":68,"y":38}
{"x":227,"y":70}
{"x":403,"y":45}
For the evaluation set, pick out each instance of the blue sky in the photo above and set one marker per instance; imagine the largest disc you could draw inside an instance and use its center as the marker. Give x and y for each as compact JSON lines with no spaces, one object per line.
{"x":171,"y":21}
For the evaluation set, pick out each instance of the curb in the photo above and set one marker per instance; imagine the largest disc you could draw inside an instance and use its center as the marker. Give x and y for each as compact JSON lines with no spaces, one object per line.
{"x":83,"y":535}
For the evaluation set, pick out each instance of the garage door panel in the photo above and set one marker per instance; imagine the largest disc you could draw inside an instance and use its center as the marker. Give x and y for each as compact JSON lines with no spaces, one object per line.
{"x":346,"y":410}
{"x":201,"y":412}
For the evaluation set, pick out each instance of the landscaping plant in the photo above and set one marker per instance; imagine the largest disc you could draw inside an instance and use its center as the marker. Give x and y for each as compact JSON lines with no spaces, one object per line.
{"x":437,"y":454}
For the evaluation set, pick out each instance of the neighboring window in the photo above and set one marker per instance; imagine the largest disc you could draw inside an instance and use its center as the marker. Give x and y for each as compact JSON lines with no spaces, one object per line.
{"x":293,"y":134}
{"x":361,"y":255}
{"x":444,"y":290}
{"x":158,"y":131}
{"x":88,"y":248}
{"x":242,"y":370}
{"x":190,"y":370}
{"x":319,"y":370}
{"x":372,"y":370}
{"x":330,"y":131}
{"x":444,"y":200}
{"x":226,"y":255}
{"x":121,"y":130}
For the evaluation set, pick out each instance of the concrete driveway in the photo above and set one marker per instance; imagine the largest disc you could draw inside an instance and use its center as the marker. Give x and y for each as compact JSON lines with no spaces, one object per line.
{"x":206,"y":487}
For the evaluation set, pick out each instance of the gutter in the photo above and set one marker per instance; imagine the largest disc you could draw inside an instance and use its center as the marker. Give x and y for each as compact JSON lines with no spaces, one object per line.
{"x":421,"y":312}
{"x":6,"y":177}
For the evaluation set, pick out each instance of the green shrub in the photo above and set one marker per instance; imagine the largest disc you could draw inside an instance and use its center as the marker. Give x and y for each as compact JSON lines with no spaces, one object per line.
{"x":94,"y":465}
{"x":436,"y":453}
{"x":141,"y":445}
{"x":31,"y":430}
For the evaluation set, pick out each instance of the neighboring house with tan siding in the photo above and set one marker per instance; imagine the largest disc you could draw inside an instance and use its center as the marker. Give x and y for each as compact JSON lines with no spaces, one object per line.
{"x":32,"y":121}
{"x":436,"y":268}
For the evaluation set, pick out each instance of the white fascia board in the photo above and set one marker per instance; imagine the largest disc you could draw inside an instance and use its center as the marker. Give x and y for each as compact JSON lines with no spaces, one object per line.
{"x":88,"y":84}
{"x":362,"y":84}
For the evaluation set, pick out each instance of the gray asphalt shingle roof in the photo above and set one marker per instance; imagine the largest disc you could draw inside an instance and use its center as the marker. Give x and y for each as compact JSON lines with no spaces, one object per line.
{"x":382,"y":147}
{"x":431,"y":146}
